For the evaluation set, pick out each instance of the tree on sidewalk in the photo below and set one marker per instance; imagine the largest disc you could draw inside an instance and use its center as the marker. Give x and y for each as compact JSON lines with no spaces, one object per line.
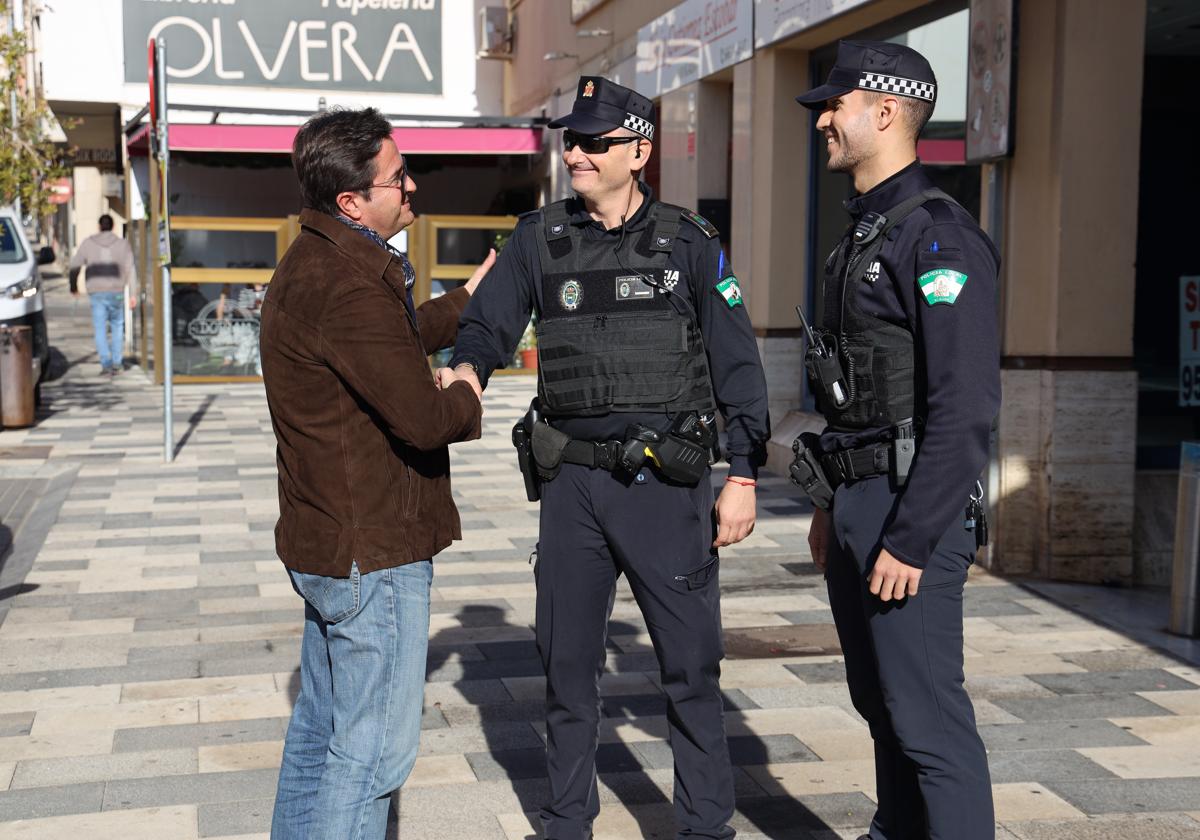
{"x":29,"y":160}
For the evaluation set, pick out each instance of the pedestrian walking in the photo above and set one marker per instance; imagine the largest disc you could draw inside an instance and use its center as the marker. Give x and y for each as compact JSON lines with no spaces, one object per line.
{"x":642,"y":334}
{"x":906,"y":368}
{"x":108,"y":263}
{"x":364,"y":474}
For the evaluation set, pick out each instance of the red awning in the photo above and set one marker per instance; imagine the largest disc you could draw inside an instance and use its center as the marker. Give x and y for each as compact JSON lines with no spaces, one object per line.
{"x":460,"y":140}
{"x":942,"y":151}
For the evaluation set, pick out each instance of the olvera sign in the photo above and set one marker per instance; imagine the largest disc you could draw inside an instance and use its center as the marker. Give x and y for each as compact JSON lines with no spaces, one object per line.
{"x":384,"y":46}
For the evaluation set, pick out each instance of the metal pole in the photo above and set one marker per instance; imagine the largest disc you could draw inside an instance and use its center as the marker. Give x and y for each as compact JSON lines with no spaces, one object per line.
{"x":168,"y":380}
{"x":164,"y":246}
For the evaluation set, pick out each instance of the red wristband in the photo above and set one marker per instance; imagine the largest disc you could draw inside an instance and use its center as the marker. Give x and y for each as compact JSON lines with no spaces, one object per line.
{"x":742,"y":482}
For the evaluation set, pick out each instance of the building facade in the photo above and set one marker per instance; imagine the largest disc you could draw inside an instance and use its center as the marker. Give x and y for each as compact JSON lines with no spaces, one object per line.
{"x":242,"y":75}
{"x":1048,"y":127}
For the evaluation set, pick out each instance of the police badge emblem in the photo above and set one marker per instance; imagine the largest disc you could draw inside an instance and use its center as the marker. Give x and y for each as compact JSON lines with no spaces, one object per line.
{"x":942,"y":285}
{"x":570,"y":295}
{"x":589,"y":89}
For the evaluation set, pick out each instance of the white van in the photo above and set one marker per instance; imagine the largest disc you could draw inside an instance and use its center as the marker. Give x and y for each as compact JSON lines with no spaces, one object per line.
{"x":21,"y":300}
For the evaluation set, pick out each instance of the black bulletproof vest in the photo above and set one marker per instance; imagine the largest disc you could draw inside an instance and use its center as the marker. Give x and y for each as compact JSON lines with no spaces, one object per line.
{"x":608,"y":340}
{"x":877,"y":356}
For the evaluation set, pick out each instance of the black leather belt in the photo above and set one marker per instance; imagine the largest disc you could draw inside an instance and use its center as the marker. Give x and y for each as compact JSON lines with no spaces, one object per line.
{"x":853,"y":464}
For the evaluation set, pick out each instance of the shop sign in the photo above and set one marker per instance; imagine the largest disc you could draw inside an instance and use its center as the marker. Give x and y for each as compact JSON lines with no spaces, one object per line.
{"x":776,"y":19}
{"x":60,"y":191}
{"x":105,"y":158}
{"x":695,"y":39}
{"x":989,"y":98}
{"x":384,"y":46}
{"x":1189,"y":341}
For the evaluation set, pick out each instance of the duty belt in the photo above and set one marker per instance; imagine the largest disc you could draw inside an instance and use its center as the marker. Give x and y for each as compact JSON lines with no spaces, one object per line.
{"x":853,"y":464}
{"x":601,"y":455}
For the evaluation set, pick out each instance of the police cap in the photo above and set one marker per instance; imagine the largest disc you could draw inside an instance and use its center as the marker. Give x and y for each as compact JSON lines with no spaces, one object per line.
{"x":877,"y":66}
{"x":601,"y":106}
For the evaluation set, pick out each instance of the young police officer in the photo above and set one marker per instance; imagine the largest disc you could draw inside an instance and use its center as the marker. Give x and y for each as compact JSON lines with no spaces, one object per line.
{"x":909,"y":387}
{"x":642,"y":335}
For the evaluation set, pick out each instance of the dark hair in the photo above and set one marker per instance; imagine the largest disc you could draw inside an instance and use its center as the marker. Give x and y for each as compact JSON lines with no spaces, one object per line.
{"x":106,"y":222}
{"x":916,"y":114}
{"x":334,"y":153}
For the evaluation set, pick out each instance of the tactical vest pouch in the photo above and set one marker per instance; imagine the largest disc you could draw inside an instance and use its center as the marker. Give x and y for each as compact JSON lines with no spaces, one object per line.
{"x":616,"y":362}
{"x":879,"y":375}
{"x":548,"y":446}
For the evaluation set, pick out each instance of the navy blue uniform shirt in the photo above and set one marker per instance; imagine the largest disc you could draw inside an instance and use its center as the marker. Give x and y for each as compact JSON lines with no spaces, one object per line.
{"x":495,"y":318}
{"x":957,"y":349}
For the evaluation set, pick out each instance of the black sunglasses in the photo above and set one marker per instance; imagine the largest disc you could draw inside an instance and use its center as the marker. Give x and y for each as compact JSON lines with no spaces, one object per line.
{"x":593,"y":145}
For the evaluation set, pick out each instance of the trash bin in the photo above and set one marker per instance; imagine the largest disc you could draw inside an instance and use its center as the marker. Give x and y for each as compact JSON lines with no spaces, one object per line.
{"x":16,"y":376}
{"x":1185,"y":579}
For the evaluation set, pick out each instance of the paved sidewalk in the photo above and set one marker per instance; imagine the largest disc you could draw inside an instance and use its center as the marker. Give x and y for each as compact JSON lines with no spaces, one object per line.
{"x":148,"y":658}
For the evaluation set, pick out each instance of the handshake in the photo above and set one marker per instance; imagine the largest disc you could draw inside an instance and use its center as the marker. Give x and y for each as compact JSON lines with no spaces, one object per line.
{"x":465,"y":373}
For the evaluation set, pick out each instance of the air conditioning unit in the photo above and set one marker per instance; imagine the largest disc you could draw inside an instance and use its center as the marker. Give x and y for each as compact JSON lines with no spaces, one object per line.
{"x":495,"y":33}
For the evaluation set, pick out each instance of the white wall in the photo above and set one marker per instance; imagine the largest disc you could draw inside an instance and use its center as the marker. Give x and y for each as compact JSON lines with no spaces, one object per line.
{"x":83,"y":60}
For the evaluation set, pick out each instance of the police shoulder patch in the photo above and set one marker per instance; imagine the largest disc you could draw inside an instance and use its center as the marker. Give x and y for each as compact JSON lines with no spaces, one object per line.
{"x":731,"y":291}
{"x":699,"y":221}
{"x":941,"y":285}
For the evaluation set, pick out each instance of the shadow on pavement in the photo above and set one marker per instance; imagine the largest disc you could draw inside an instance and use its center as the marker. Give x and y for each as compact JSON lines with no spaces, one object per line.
{"x":194,"y":421}
{"x":624,"y":765}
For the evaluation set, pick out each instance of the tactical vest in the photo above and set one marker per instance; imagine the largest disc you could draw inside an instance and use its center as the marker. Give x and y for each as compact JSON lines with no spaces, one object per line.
{"x":877,"y":356}
{"x":608,"y":340}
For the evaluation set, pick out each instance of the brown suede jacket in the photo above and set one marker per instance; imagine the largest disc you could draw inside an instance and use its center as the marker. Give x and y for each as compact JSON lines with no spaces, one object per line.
{"x":361,"y":426}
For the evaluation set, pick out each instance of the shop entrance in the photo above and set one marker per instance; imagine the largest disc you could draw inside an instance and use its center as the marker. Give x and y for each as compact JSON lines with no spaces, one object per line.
{"x":1168,"y":412}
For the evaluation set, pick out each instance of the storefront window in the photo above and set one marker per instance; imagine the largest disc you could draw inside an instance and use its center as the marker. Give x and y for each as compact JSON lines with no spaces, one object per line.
{"x":222,"y":265}
{"x":223,"y":249}
{"x":215,"y":328}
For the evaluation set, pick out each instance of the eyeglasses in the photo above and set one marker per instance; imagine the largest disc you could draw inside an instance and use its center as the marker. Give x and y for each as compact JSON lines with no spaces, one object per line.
{"x":593,"y":145}
{"x":398,"y":182}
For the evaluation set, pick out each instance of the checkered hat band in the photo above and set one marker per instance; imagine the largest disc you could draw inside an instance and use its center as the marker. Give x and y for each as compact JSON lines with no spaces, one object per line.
{"x":641,"y":125}
{"x":898,"y":85}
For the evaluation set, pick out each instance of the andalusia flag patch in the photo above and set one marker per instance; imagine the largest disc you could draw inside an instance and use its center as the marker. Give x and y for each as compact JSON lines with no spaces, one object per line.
{"x":731,"y":291}
{"x":941,"y":285}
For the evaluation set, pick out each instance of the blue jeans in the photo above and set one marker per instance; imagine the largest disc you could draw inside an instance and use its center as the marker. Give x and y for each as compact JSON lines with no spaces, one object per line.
{"x":108,"y":310}
{"x":354,"y":731}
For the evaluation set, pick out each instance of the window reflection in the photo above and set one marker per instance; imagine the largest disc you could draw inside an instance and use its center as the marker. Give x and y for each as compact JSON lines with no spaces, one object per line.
{"x":216,"y":327}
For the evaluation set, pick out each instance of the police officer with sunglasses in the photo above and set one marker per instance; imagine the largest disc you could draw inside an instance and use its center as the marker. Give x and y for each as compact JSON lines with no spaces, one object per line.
{"x":642,"y":336}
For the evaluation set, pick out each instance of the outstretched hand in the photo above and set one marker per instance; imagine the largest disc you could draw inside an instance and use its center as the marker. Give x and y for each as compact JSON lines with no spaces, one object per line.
{"x":481,"y":272}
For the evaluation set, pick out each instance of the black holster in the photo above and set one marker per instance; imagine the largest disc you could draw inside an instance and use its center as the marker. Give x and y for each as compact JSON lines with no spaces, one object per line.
{"x":807,"y":473}
{"x":522,"y":438}
{"x":683,"y":454}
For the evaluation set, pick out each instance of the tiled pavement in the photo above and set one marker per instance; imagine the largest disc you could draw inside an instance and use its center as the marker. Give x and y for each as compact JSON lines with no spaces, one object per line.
{"x":147,"y":661}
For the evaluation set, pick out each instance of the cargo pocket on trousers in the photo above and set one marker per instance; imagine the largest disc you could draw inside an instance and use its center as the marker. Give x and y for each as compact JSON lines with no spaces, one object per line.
{"x":700,"y":577}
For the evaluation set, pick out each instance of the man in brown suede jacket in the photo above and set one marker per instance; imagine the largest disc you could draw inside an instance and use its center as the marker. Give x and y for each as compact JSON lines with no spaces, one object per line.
{"x":364,"y":474}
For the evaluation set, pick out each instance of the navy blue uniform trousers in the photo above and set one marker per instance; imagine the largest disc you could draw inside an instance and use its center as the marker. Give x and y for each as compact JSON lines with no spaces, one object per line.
{"x":904,"y":667}
{"x":594,"y":527}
